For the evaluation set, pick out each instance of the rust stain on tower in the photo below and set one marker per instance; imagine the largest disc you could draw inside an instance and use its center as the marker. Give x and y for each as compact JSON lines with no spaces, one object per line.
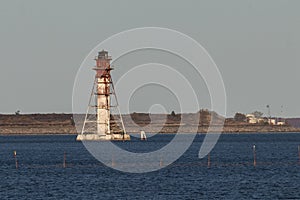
{"x":99,"y":119}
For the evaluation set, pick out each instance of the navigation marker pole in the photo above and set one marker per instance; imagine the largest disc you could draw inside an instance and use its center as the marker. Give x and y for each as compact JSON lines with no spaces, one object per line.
{"x":208,"y":160}
{"x":161,"y":163}
{"x":16,"y":159}
{"x":65,"y":158}
{"x":254,"y":155}
{"x":299,"y":154}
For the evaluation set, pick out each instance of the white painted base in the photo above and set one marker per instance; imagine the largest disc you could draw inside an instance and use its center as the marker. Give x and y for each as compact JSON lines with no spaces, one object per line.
{"x":95,"y":137}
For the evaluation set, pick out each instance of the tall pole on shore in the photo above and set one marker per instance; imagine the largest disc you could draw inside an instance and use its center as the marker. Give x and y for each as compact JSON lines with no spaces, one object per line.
{"x":269,"y":114}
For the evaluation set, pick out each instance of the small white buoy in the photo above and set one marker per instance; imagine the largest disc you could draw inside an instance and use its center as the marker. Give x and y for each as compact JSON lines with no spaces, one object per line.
{"x":143,"y":135}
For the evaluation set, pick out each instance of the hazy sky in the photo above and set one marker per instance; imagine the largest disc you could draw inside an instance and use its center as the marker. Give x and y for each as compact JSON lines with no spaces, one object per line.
{"x":255,"y":44}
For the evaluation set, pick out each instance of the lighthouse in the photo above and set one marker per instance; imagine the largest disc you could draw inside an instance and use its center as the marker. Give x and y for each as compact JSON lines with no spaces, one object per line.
{"x":98,"y":120}
{"x":103,"y":80}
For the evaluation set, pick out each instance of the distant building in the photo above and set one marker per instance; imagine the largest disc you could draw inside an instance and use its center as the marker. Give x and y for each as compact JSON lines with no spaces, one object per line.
{"x":276,"y":121}
{"x":280,"y":123}
{"x":272,"y":121}
{"x":251,"y":119}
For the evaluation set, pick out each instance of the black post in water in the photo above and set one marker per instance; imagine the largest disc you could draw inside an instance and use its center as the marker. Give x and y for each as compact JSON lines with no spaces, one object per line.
{"x":299,"y":154}
{"x":161,"y":162}
{"x":254,"y":155}
{"x":208,"y":160}
{"x":16,"y":159}
{"x":65,"y":157}
{"x":113,"y":160}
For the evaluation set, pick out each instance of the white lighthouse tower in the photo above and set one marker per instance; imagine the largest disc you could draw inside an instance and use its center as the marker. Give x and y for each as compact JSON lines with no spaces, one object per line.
{"x":98,"y":120}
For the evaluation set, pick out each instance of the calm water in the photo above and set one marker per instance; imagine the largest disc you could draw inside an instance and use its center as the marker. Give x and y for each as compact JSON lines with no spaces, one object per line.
{"x":231,"y":175}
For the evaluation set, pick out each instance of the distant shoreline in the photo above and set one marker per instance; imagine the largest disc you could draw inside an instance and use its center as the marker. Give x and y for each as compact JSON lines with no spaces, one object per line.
{"x":63,"y":124}
{"x":223,"y":133}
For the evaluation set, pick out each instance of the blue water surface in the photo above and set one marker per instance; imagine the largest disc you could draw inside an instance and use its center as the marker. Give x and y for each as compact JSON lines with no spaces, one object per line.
{"x":231,"y":175}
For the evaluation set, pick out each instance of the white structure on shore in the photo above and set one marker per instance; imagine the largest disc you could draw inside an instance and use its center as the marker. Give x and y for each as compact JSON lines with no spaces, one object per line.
{"x":251,"y":119}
